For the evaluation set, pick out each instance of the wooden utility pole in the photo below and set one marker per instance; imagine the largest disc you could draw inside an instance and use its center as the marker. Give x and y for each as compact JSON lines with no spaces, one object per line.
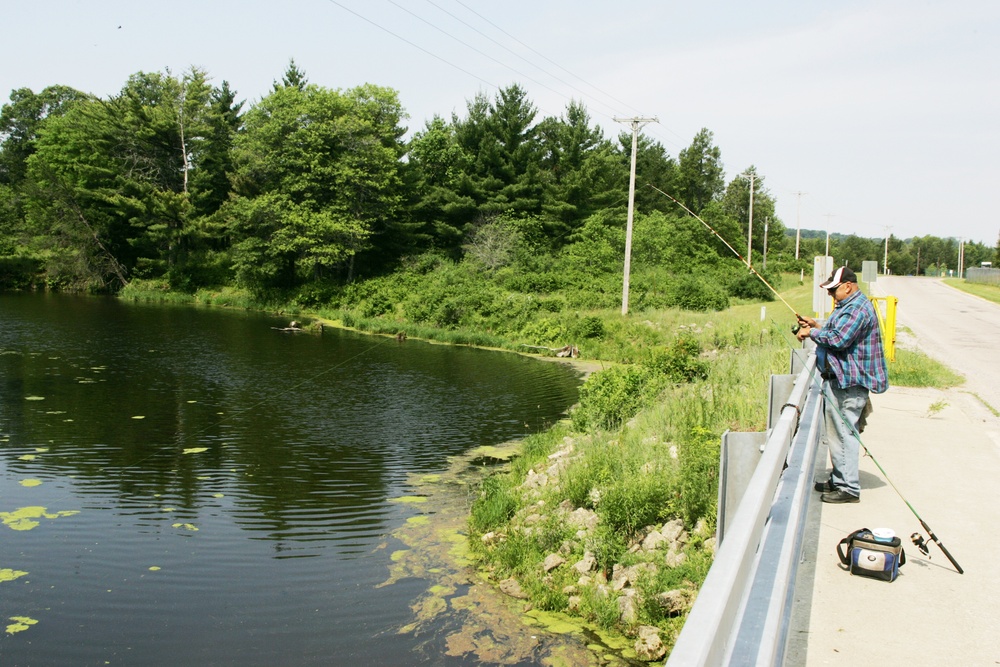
{"x":752,"y":176}
{"x":766,"y":220}
{"x":636,"y":124}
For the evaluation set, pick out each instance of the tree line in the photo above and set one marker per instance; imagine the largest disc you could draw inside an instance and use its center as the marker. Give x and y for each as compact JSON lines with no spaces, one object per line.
{"x":173,"y":179}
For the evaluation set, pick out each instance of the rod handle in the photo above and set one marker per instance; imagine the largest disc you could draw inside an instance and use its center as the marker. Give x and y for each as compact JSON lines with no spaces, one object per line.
{"x":943,"y":548}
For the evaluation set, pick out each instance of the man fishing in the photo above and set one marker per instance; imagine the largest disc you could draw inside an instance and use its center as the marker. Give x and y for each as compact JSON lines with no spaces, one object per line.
{"x":849,"y":356}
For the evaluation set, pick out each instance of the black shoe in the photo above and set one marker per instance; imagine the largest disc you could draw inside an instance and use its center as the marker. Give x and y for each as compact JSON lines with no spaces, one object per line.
{"x":824,"y":487}
{"x":839,"y":496}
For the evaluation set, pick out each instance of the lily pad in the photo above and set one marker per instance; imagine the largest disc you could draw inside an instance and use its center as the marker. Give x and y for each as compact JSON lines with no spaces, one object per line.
{"x":28,"y":483}
{"x":25,"y":517}
{"x":34,"y":398}
{"x":20,"y":624}
{"x":7,"y":574}
{"x":195,"y":450}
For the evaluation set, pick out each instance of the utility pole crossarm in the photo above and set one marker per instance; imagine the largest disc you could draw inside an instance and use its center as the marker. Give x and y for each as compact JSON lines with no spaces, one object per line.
{"x":636,"y":124}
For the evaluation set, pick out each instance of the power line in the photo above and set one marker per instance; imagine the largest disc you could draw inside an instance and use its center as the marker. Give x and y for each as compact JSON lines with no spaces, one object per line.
{"x":476,"y":76}
{"x":416,"y":46}
{"x":541,"y":55}
{"x":469,"y":46}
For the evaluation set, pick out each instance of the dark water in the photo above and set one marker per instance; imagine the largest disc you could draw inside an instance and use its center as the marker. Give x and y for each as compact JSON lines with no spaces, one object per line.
{"x":259,"y":546}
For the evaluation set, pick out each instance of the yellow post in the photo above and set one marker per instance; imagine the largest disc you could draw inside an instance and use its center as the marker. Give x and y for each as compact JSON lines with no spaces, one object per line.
{"x":887,"y":323}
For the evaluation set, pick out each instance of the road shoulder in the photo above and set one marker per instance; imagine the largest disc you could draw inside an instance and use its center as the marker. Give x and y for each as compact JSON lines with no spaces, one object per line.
{"x":941,"y":450}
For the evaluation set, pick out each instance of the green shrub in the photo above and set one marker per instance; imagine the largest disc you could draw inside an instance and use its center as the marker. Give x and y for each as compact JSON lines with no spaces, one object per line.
{"x":611,"y":397}
{"x":589,"y":327}
{"x":18,"y":272}
{"x":698,"y":456}
{"x":315,"y":294}
{"x":608,"y":546}
{"x":496,"y":504}
{"x":746,"y":285}
{"x":635,"y":501}
{"x":695,"y":293}
{"x":680,"y":361}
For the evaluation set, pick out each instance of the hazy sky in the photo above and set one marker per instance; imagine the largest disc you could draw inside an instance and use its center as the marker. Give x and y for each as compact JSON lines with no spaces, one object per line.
{"x":885,"y":113}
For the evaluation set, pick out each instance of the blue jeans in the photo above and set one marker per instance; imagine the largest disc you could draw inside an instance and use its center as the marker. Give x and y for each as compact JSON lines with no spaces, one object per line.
{"x":843,"y":406}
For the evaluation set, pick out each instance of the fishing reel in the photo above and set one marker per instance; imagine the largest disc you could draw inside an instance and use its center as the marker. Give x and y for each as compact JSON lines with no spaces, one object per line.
{"x":919,"y":543}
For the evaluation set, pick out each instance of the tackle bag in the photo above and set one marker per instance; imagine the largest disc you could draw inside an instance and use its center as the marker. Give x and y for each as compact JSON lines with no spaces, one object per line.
{"x":870,"y":557}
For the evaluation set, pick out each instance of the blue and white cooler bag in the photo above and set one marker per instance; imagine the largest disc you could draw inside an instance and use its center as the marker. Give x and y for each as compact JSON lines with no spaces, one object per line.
{"x":870,"y":555}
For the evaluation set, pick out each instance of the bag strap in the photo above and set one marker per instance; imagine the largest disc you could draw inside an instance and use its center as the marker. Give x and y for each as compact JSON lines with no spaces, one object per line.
{"x":844,"y":557}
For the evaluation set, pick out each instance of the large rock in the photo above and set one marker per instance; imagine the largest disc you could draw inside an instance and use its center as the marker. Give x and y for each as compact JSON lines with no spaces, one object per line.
{"x":513,"y":589}
{"x":677,"y":601}
{"x":649,"y":646}
{"x":674,"y":557}
{"x":582,"y":518}
{"x":552,"y":561}
{"x":672,"y":530}
{"x":535,"y":480}
{"x":623,"y":577}
{"x":628,"y":607}
{"x":492,"y":538}
{"x":654,"y":541}
{"x":586,"y":564}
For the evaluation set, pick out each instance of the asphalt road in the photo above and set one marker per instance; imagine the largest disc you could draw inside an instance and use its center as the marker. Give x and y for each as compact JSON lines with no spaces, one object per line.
{"x":958,"y":329}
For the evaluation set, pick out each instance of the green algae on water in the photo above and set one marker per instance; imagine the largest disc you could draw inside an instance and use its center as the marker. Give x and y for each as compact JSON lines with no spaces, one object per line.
{"x":409,"y":499}
{"x":8,"y":574}
{"x":20,"y":624}
{"x":25,"y":517}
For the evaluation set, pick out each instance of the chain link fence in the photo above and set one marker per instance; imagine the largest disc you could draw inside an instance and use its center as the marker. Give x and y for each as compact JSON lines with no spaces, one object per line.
{"x":987,"y":276}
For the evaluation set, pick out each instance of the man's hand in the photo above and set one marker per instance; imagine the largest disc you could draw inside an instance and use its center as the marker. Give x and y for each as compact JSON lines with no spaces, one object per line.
{"x":803,"y":332}
{"x":806,"y":321}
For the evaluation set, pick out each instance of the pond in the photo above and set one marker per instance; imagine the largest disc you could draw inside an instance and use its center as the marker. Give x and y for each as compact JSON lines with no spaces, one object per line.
{"x":195,"y":486}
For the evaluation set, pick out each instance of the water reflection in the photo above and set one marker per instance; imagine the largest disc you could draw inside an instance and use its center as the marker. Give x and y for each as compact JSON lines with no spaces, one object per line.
{"x":219,"y":451}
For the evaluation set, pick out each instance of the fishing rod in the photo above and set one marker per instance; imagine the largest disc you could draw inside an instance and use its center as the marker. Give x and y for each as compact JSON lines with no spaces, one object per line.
{"x":916,"y":538}
{"x":726,"y":243}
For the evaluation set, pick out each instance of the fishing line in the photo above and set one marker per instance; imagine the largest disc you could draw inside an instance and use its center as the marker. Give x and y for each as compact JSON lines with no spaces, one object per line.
{"x":916,"y":539}
{"x":735,"y":252}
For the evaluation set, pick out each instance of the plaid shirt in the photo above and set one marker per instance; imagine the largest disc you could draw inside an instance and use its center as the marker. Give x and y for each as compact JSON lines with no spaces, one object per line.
{"x":853,"y":344}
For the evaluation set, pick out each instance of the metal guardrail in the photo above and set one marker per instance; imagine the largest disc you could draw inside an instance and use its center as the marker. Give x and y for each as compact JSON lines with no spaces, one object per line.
{"x":741,"y":615}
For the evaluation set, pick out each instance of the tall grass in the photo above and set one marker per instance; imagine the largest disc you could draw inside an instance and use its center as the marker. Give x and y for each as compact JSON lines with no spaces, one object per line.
{"x":638,"y":467}
{"x":913,"y":368}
